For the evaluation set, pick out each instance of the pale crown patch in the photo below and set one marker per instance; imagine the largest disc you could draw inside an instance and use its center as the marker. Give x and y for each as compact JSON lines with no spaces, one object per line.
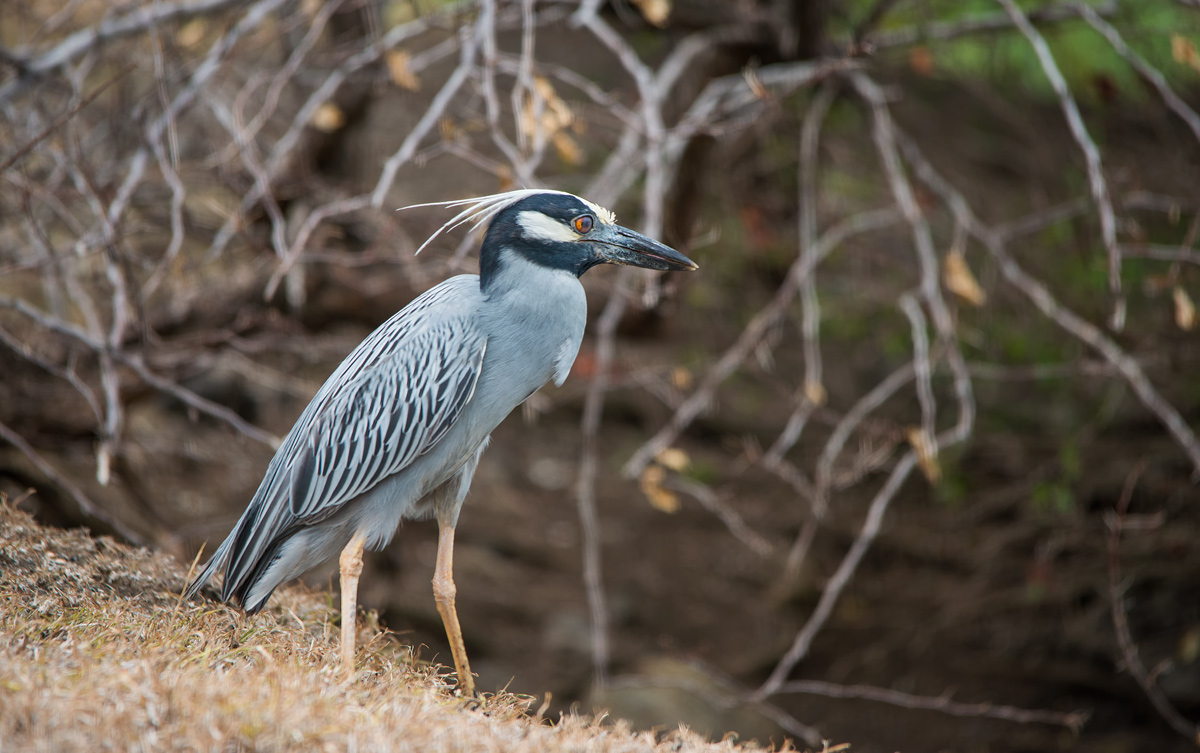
{"x":539,"y":227}
{"x":602,"y":214}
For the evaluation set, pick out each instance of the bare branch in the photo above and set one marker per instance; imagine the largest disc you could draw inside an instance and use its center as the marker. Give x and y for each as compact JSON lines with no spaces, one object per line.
{"x":136,"y":21}
{"x":185,"y":395}
{"x":1144,"y":69}
{"x":727,"y":515}
{"x":885,"y":135}
{"x":1044,"y":300}
{"x":86,"y":505}
{"x":470,"y":46}
{"x":1131,"y":661}
{"x":867,"y":404}
{"x":753,"y":333}
{"x":982,"y":24}
{"x":57,"y":123}
{"x":1095,"y":169}
{"x":1072,"y":720}
{"x":840,"y":579}
{"x":1160,"y":252}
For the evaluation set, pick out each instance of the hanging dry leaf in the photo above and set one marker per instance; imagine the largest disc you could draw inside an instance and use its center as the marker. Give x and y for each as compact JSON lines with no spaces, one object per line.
{"x":328,"y":118}
{"x":655,"y":11}
{"x":1185,"y":310}
{"x":651,"y":484}
{"x":750,"y":76}
{"x":545,"y":115}
{"x":814,"y":391}
{"x":568,"y":150}
{"x":681,"y":378}
{"x":673,"y":458}
{"x":505,"y":178}
{"x":957,"y":278}
{"x":1189,"y":645}
{"x":192,"y":33}
{"x":926,"y":453}
{"x":399,"y":64}
{"x":1183,"y":51}
{"x":448,"y":129}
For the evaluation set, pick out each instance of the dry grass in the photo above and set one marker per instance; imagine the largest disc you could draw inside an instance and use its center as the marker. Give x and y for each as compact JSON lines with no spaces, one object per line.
{"x":97,"y":651}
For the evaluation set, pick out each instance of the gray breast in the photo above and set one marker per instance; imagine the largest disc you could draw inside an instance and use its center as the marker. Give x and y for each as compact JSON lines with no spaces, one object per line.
{"x":534,"y":329}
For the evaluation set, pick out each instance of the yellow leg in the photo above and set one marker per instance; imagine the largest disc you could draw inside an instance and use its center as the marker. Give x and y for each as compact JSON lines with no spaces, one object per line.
{"x":443,"y":594}
{"x":351,"y":562}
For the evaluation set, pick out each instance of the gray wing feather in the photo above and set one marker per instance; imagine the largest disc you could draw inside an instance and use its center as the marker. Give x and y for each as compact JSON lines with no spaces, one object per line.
{"x":387,"y":418}
{"x":393,"y":399}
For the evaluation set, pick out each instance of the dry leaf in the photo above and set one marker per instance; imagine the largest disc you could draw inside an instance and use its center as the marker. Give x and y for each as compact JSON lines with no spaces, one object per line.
{"x":448,"y":128}
{"x":1183,"y":51}
{"x":651,"y":483}
{"x":814,"y":391}
{"x":750,"y":75}
{"x":328,"y":118}
{"x":1185,"y":310}
{"x":505,"y":178}
{"x":399,"y":64}
{"x":673,"y":458}
{"x":310,"y":8}
{"x":655,"y":11}
{"x":681,"y":378}
{"x":1189,"y":645}
{"x":568,"y":151}
{"x":920,"y":59}
{"x":554,"y":116}
{"x":192,"y":33}
{"x":957,"y":277}
{"x":926,"y":454}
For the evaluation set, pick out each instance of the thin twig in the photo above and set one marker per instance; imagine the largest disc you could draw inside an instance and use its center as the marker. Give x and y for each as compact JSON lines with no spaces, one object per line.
{"x":1130,"y":659}
{"x":1144,"y":69}
{"x":79,"y":43}
{"x":885,"y":135}
{"x":981,"y":24}
{"x":840,"y":579}
{"x":733,"y":521}
{"x":1041,"y":296}
{"x":1091,"y":154}
{"x":812,"y":390}
{"x":66,"y":115}
{"x":86,"y":505}
{"x":134,"y":362}
{"x":752,"y":334}
{"x":433,"y":113}
{"x":1072,"y":720}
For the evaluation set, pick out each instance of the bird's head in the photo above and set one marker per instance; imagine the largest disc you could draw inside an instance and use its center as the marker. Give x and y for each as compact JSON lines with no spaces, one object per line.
{"x":559,"y":230}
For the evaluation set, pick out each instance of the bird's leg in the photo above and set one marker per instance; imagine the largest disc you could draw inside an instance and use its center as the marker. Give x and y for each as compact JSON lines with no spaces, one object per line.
{"x":351,"y":563}
{"x":443,"y":594}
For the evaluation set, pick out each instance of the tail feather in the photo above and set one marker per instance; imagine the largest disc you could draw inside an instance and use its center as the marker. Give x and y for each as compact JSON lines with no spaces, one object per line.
{"x":209,"y":570}
{"x":246,"y":561}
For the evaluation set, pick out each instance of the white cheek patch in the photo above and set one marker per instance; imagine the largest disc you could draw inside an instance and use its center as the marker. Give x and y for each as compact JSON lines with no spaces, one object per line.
{"x":538,"y":226}
{"x":602,"y":214}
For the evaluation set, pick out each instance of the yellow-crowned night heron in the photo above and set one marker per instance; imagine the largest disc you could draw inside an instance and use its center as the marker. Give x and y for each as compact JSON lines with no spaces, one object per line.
{"x":397,"y":430}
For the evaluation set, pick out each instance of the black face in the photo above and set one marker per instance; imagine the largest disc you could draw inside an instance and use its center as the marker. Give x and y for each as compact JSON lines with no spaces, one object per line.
{"x":560,"y":231}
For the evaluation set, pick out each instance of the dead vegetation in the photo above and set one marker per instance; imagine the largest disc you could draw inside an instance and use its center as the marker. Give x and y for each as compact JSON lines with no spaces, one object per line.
{"x":98,"y":651}
{"x":946,"y":311}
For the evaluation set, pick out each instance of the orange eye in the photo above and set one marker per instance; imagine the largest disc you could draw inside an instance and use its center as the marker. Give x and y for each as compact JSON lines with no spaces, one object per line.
{"x":583,"y":224}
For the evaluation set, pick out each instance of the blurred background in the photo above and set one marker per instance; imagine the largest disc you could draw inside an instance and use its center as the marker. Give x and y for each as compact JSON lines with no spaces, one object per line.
{"x":908,"y":464}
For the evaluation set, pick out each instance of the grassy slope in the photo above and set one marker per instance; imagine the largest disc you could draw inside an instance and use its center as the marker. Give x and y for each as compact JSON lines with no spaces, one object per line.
{"x":97,"y":651}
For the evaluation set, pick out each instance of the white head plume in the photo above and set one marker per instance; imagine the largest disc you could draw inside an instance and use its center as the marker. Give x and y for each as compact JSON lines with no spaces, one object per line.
{"x":482,"y":209}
